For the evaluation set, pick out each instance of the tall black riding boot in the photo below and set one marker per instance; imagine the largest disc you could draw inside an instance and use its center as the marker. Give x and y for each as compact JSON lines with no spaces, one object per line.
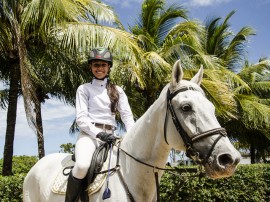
{"x":74,"y":186}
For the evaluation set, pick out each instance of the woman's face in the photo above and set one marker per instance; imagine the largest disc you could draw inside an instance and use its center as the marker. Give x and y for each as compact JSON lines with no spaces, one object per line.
{"x":100,"y":68}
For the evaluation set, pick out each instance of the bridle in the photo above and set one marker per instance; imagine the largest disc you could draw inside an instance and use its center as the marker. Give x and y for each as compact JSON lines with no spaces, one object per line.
{"x":191,"y":152}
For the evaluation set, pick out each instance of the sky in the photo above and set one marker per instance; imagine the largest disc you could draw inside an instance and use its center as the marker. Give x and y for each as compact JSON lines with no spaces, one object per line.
{"x":58,"y":117}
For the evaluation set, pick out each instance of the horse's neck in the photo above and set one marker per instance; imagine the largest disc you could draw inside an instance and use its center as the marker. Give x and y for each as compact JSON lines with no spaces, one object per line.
{"x":145,"y":140}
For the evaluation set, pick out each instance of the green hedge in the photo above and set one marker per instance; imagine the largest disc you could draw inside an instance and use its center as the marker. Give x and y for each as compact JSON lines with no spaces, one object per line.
{"x":11,"y":186}
{"x":249,"y":183}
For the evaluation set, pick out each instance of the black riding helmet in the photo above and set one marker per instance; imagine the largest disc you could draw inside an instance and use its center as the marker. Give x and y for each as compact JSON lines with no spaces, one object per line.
{"x":101,"y":54}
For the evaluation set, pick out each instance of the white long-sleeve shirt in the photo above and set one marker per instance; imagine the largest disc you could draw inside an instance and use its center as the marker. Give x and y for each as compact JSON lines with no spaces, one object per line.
{"x":94,"y":106}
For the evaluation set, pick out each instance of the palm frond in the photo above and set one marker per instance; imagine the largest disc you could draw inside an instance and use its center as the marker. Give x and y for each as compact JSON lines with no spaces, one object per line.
{"x":236,"y":49}
{"x":150,"y":13}
{"x":166,"y":19}
{"x":4,"y":99}
{"x":255,"y":115}
{"x":85,"y":36}
{"x":262,"y":89}
{"x":221,"y":96}
{"x":40,"y":16}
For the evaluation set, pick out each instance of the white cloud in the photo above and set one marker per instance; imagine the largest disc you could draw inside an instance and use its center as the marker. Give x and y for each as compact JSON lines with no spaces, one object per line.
{"x":193,"y":3}
{"x":54,"y":109}
{"x":123,"y":3}
{"x":56,"y":116}
{"x":206,"y":2}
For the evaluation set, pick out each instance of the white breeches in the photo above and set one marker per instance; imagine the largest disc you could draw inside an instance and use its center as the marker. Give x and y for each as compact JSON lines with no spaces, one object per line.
{"x":84,"y":150}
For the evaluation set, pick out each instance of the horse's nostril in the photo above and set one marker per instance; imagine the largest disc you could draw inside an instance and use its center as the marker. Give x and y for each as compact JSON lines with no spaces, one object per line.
{"x":225,"y":159}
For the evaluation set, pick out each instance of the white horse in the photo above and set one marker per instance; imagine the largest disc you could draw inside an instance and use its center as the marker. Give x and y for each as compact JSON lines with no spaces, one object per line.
{"x":181,"y":118}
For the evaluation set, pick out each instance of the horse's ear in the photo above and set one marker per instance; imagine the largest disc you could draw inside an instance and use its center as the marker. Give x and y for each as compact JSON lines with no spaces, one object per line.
{"x":177,"y":73}
{"x":198,"y":77}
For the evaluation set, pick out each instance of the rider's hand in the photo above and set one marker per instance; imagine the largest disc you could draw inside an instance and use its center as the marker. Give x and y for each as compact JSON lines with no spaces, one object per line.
{"x":106,"y":137}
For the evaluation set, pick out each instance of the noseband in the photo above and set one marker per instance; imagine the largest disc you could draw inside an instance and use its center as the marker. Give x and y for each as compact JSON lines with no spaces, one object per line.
{"x":191,"y":152}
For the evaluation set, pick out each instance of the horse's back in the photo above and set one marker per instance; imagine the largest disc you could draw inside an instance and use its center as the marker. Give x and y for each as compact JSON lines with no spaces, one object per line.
{"x":38,"y":182}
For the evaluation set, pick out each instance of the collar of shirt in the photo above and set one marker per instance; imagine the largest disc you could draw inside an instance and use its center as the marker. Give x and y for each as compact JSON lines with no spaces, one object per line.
{"x":97,"y":82}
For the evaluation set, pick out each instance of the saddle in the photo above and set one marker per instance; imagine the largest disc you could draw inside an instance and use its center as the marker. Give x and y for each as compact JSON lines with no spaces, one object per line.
{"x":99,"y":157}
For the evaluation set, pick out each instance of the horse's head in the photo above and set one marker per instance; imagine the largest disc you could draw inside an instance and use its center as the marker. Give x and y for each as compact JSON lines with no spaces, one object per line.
{"x":196,"y":127}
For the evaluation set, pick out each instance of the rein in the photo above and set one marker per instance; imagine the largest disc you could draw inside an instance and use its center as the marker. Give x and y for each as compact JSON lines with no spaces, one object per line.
{"x":117,"y":169}
{"x":191,"y":152}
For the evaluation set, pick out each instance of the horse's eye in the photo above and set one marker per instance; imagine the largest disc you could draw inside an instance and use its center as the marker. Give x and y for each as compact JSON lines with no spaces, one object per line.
{"x":186,"y":108}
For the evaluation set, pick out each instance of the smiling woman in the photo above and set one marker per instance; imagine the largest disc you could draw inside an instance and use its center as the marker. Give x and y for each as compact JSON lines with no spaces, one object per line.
{"x":100,"y":69}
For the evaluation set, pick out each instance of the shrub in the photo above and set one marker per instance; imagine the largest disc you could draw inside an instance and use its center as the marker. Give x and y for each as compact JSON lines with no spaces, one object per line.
{"x":249,"y":183}
{"x":11,"y":186}
{"x":21,"y":164}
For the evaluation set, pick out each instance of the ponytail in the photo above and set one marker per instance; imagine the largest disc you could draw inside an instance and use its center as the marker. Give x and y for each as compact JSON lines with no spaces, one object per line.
{"x":113,"y":95}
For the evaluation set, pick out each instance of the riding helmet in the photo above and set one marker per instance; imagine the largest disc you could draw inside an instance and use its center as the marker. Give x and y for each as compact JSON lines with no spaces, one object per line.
{"x":101,"y":54}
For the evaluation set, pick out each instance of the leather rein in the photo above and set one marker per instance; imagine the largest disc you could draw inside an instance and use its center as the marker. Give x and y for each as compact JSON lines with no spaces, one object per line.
{"x":155,"y":169}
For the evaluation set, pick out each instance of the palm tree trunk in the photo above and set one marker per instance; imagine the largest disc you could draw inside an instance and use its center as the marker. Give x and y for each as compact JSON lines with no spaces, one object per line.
{"x":11,"y":120}
{"x":39,"y":129}
{"x":252,"y":154}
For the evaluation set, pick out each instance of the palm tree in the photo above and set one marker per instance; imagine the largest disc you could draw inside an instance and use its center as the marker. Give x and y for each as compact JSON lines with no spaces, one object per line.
{"x":254,"y":105}
{"x":248,"y":87}
{"x":151,"y":28}
{"x":167,"y":34}
{"x":160,"y":34}
{"x":224,"y":44}
{"x":33,"y":94}
{"x":11,"y":49}
{"x":69,"y":26}
{"x":155,"y":22}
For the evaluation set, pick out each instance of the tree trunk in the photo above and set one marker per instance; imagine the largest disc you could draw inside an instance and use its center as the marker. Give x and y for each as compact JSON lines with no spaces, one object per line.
{"x":264,"y":157}
{"x":252,"y":154}
{"x":11,"y":120}
{"x":39,"y":128}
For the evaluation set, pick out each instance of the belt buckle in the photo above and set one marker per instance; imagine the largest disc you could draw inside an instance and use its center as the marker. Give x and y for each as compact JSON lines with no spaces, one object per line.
{"x":108,"y":127}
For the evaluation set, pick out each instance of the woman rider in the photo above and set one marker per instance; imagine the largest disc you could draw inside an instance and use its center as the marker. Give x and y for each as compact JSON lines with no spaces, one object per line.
{"x":96,"y":106}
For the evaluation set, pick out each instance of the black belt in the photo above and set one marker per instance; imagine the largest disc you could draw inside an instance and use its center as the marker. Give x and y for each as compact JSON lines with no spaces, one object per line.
{"x":103,"y":126}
